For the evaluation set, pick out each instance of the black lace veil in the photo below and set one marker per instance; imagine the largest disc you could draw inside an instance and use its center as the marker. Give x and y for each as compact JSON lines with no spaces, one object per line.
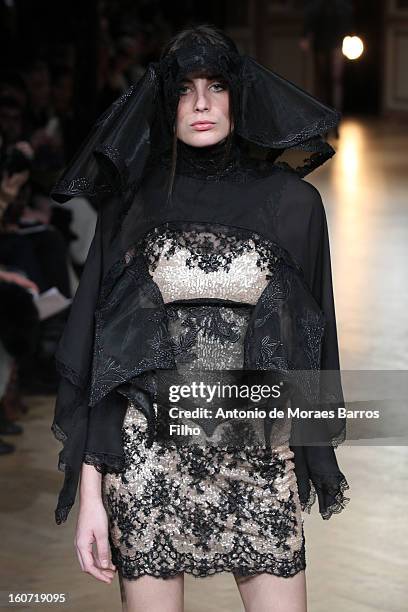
{"x":110,"y":168}
{"x":269,"y":112}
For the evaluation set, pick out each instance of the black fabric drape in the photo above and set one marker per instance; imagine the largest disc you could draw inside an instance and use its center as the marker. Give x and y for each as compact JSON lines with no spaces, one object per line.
{"x":123,"y":169}
{"x":89,"y":411}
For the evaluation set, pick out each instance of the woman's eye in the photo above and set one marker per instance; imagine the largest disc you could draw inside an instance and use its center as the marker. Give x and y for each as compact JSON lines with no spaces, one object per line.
{"x":218,"y":86}
{"x":183,"y":90}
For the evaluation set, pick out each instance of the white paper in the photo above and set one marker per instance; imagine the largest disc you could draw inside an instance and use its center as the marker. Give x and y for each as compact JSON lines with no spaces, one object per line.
{"x":50,"y":303}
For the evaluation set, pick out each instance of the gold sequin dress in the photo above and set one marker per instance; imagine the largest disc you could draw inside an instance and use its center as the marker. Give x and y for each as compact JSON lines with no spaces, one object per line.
{"x":203,"y":509}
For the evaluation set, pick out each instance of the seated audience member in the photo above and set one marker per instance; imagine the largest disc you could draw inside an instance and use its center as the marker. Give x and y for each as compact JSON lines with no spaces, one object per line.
{"x":26,"y":242}
{"x":19,"y":337}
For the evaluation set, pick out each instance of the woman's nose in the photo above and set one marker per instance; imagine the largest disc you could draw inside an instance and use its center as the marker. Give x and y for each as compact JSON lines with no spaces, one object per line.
{"x":201,"y":102}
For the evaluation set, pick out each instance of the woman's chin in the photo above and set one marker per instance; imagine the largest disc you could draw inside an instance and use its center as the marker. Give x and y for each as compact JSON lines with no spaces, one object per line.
{"x":204,"y":139}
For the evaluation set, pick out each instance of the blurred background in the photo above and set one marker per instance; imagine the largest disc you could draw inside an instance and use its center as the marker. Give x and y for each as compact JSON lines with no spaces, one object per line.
{"x":61,"y":65}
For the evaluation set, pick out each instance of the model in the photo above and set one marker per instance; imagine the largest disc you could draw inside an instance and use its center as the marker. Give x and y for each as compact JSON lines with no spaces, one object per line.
{"x":210,"y":266}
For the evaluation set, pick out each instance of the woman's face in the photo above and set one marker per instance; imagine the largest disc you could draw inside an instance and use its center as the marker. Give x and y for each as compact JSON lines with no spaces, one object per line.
{"x":203,"y":111}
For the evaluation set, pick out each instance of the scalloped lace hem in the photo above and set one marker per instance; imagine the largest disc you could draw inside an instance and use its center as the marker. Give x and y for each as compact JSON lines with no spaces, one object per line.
{"x":336,"y":507}
{"x":105,"y":463}
{"x":237,"y":571}
{"x":340,"y":438}
{"x":134,"y":571}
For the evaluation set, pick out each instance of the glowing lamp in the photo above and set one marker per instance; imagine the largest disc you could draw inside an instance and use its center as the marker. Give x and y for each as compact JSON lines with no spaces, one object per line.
{"x":353,"y":47}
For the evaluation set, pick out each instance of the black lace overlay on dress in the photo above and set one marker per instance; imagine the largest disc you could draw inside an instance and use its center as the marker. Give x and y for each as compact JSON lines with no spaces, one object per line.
{"x":202,"y":510}
{"x":209,"y":250}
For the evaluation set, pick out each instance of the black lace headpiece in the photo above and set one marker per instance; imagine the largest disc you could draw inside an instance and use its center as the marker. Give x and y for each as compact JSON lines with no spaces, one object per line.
{"x":268,"y":111}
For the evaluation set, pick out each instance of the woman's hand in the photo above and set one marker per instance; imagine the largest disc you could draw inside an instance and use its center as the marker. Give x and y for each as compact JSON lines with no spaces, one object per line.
{"x":92,"y":527}
{"x":10,"y":187}
{"x":19,"y":279}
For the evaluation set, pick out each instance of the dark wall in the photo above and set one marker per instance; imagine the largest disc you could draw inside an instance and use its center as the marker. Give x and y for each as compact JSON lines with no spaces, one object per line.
{"x":363,"y":77}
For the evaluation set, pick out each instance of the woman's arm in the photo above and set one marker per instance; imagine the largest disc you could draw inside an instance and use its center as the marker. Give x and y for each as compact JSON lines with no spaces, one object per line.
{"x":92,"y":527}
{"x":90,"y":484}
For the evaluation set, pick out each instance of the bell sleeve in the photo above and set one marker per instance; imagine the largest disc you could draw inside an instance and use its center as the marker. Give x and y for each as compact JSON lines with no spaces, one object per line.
{"x":73,"y":358}
{"x":318,"y":473}
{"x":88,"y":435}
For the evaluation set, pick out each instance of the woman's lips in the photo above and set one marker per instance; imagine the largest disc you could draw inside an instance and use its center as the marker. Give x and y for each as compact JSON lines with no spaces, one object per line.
{"x":202,"y":126}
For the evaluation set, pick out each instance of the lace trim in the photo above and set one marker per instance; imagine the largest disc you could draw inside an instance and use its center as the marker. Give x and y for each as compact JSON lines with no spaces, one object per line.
{"x":105,"y":463}
{"x":213,"y":161}
{"x":136,"y":566}
{"x":210,"y":250}
{"x":307,"y":137}
{"x":60,"y":435}
{"x":81,"y":186}
{"x":335,"y":490}
{"x":67,"y":372}
{"x":238,"y":169}
{"x":339,"y":439}
{"x":61,"y":514}
{"x":311,"y":326}
{"x":62,"y":511}
{"x":117,"y":104}
{"x":107,"y":373}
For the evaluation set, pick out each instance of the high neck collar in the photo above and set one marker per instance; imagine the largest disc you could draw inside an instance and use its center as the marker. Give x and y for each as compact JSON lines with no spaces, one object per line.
{"x":210,"y":162}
